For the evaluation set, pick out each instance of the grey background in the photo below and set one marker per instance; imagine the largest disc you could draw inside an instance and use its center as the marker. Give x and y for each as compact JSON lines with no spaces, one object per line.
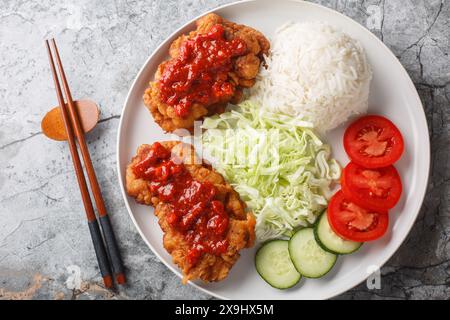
{"x":44,"y":241}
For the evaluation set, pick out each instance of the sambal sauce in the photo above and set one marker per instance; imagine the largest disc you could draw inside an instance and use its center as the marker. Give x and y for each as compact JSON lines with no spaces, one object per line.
{"x":200,"y":73}
{"x":193,"y":211}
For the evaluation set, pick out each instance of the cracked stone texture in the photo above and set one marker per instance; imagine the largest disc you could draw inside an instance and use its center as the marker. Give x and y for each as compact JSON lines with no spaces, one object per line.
{"x":44,"y":240}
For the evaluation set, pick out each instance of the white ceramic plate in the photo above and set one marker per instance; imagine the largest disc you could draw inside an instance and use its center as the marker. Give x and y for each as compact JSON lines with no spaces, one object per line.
{"x":393,"y":96}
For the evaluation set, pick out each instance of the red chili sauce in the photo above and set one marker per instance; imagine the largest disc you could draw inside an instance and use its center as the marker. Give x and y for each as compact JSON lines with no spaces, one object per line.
{"x":200,"y":73}
{"x":194,"y":212}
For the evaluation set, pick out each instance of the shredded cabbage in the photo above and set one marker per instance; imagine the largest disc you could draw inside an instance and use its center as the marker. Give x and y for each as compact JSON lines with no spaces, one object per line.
{"x":279,"y":166}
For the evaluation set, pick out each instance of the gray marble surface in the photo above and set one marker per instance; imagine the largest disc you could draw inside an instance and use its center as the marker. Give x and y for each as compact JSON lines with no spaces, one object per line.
{"x":45,"y":250}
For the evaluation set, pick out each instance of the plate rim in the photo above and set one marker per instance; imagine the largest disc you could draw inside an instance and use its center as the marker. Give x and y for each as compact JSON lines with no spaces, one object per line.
{"x":408,"y":82}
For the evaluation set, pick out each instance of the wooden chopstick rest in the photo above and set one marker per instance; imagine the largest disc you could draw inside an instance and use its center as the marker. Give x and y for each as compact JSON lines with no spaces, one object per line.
{"x":52,"y":124}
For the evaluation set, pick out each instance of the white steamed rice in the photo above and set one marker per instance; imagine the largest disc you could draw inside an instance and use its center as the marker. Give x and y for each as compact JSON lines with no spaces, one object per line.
{"x":314,"y":72}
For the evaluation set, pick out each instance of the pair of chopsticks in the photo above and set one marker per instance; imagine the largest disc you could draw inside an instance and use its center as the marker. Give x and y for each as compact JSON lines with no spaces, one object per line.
{"x":105,"y":245}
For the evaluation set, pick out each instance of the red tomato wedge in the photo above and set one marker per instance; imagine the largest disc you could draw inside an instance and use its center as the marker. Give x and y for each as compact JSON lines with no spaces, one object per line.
{"x":354,"y":223}
{"x":376,"y":189}
{"x":373,"y":142}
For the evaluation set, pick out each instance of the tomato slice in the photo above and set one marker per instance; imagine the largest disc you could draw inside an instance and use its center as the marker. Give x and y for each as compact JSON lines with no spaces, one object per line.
{"x":354,"y":223}
{"x":373,"y":142}
{"x":376,"y":189}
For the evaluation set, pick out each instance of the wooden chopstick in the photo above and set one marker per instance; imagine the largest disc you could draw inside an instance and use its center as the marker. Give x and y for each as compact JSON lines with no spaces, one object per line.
{"x":111,"y":243}
{"x":94,"y":229}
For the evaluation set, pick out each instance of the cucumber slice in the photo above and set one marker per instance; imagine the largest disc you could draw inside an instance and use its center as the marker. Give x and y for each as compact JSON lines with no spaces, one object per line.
{"x":275,"y":266}
{"x":330,"y":241}
{"x":308,"y":257}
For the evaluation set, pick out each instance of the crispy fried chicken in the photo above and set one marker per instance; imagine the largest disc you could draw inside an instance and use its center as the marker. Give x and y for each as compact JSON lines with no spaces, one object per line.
{"x":239,"y":233}
{"x":244,"y":69}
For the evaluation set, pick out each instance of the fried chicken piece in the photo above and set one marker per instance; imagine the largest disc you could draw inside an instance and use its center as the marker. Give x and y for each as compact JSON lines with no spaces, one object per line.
{"x":243,"y":74}
{"x":240,"y":233}
{"x":210,"y":268}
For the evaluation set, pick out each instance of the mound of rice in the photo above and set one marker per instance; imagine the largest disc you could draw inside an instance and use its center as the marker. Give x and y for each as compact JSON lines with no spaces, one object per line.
{"x":315,"y":72}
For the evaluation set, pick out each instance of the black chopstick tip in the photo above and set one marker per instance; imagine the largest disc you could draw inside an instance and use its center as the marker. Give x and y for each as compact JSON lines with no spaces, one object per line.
{"x":120,"y":279}
{"x":107,"y":280}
